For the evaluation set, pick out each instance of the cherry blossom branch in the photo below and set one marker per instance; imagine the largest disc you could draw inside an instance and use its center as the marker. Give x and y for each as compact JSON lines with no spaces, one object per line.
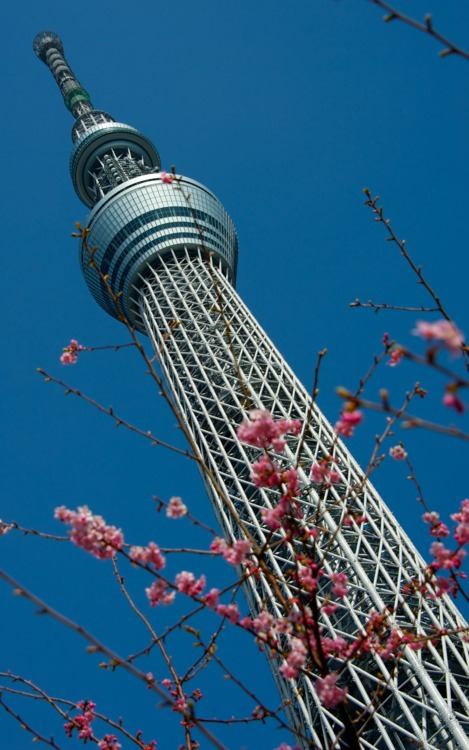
{"x":378,"y":212}
{"x":37,"y":737}
{"x":113,"y":347}
{"x":109,"y":412}
{"x":413,"y":478}
{"x":410,"y":421}
{"x":426,"y":27}
{"x":377,"y":359}
{"x":430,"y":361}
{"x":6,"y":526}
{"x":266,"y":712}
{"x":160,"y":645}
{"x":377,"y":306}
{"x":40,"y":695}
{"x":309,"y":412}
{"x":115,"y":658}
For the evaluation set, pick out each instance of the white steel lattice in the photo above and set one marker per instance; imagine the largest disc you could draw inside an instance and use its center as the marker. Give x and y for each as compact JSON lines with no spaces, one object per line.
{"x":211,"y":350}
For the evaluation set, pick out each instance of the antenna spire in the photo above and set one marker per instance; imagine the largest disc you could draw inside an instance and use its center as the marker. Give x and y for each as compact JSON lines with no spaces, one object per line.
{"x":49,"y":48}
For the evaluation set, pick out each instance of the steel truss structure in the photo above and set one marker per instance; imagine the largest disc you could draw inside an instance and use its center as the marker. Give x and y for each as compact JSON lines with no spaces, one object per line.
{"x":169,"y":251}
{"x":422,"y":703}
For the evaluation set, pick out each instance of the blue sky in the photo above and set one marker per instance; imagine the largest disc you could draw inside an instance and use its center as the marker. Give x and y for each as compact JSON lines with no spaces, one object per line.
{"x":286,"y":111}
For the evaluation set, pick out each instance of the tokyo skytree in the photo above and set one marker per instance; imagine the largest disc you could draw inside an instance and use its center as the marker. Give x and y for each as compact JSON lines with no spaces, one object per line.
{"x":165,"y":248}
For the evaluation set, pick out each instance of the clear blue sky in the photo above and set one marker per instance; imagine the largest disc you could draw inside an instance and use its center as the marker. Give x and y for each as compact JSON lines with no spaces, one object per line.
{"x":286,"y":111}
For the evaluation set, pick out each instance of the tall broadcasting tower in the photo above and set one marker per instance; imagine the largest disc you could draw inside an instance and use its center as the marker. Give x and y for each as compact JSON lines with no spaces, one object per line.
{"x":169,"y":250}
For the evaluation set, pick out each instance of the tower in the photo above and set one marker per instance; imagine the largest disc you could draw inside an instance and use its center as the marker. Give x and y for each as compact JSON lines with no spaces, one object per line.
{"x":166,"y":248}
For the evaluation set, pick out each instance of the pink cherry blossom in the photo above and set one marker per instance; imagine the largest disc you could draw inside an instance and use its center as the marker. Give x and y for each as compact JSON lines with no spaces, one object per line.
{"x":149,"y":555}
{"x":295,"y":660}
{"x":322,"y":473}
{"x":158,"y":593}
{"x":109,"y":742}
{"x":69,"y":354}
{"x":395,"y":357}
{"x":91,"y":532}
{"x":230,"y":611}
{"x":333,"y":646}
{"x":350,"y":518}
{"x":176,"y":508}
{"x":461,"y":534}
{"x":339,"y":584}
{"x":437,"y":527}
{"x":327,"y":691}
{"x":348,"y":421}
{"x":82,"y":722}
{"x":272,"y":517}
{"x":266,"y":473}
{"x":187,"y":583}
{"x":443,"y":331}
{"x":445,"y":558}
{"x":211,"y":598}
{"x":166,"y":178}
{"x":452,"y":401}
{"x":398,"y":453}
{"x":237,"y":553}
{"x":262,"y":431}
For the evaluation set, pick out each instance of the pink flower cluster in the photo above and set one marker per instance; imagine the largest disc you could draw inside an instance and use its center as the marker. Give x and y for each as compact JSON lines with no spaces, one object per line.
{"x":452,"y":401}
{"x":328,"y":691}
{"x":295,"y":660}
{"x":158,"y":593}
{"x":350,"y":418}
{"x":234,"y":554}
{"x":90,"y":532}
{"x":437,"y":527}
{"x":462,"y":517}
{"x":230,"y":611}
{"x":149,"y":555}
{"x":69,"y":354}
{"x":82,"y":722}
{"x":395,"y":356}
{"x":398,"y":453}
{"x":211,"y":598}
{"x":339,"y":584}
{"x":176,"y":508}
{"x":322,"y":473}
{"x":262,"y":431}
{"x":166,"y":177}
{"x":187,"y":583}
{"x":445,"y":558}
{"x":351,"y":518}
{"x":443,"y":332}
{"x":109,"y":742}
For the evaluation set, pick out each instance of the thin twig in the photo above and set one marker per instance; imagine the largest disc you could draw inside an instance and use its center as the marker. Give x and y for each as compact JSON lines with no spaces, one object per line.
{"x":109,"y":412}
{"x":449,"y":48}
{"x":377,"y":306}
{"x":115,"y":659}
{"x":378,"y":211}
{"x":37,"y":737}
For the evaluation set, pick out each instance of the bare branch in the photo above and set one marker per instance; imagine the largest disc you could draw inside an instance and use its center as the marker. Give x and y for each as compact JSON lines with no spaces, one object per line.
{"x":426,"y":27}
{"x":377,"y":306}
{"x":109,"y":412}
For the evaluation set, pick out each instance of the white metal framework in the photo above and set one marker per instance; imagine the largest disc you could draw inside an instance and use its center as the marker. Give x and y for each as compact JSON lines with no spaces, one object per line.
{"x":187,"y":306}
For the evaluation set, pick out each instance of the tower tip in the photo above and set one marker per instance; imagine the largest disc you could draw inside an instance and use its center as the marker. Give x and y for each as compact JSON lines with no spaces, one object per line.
{"x":44,"y":40}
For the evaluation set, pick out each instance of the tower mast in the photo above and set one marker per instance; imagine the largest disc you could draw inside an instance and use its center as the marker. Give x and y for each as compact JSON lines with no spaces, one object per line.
{"x":168,"y":250}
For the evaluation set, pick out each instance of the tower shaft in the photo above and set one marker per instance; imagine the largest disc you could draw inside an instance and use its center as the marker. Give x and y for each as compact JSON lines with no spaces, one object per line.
{"x":219,"y":362}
